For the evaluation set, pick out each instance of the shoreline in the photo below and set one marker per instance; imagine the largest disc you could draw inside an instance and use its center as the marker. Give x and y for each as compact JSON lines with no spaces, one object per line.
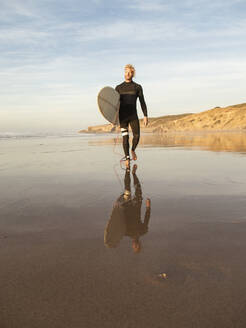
{"x":170,"y":132}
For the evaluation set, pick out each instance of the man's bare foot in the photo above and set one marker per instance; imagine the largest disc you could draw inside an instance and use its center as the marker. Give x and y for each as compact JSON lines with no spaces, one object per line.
{"x":134,"y":169}
{"x":134,"y":156}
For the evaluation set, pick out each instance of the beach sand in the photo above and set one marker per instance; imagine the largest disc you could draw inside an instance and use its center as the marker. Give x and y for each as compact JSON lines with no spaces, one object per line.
{"x":57,"y":196}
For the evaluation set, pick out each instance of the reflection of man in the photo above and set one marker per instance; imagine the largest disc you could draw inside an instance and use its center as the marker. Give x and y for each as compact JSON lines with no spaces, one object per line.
{"x":129,"y":92}
{"x":125,"y":219}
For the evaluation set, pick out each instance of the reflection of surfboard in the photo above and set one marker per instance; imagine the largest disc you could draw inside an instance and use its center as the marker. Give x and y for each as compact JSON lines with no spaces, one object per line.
{"x":116,"y":227}
{"x":108,"y":101}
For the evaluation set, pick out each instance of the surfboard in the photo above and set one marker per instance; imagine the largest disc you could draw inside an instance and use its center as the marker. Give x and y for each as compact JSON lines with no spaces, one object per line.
{"x":108,"y":100}
{"x":116,"y":227}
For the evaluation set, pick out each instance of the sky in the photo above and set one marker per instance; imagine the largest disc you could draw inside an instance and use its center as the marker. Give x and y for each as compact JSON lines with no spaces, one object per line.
{"x":56,"y":55}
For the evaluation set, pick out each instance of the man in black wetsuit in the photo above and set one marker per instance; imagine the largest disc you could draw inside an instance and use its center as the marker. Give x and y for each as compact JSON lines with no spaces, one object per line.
{"x":129,"y":92}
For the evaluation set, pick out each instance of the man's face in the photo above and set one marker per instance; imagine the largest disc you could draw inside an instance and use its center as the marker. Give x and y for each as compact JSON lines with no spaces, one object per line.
{"x":128,"y":74}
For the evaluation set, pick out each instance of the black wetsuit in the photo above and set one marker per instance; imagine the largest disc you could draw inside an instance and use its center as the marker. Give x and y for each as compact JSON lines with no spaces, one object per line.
{"x":129,"y":92}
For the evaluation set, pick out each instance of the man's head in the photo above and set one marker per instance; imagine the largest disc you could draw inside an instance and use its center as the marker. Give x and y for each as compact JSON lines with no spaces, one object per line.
{"x":129,"y":72}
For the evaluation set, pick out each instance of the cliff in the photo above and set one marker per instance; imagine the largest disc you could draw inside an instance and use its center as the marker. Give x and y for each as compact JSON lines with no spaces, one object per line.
{"x":154,"y":123}
{"x":229,"y":118}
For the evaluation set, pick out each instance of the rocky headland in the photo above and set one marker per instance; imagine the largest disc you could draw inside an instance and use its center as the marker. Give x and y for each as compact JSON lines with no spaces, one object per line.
{"x":231,"y":118}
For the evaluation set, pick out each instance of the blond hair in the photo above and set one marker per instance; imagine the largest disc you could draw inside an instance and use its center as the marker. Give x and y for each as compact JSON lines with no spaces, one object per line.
{"x":131,"y":68}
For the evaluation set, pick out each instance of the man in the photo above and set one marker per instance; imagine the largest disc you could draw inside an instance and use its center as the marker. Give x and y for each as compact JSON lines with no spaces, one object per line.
{"x":129,"y":92}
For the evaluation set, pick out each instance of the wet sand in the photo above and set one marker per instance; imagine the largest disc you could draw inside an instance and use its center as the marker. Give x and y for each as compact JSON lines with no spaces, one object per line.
{"x":57,"y":196}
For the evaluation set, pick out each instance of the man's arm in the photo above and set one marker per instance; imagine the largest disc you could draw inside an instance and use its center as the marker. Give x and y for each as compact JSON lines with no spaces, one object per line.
{"x":147,"y":213}
{"x":138,"y":189}
{"x":143,"y":105}
{"x":142,"y":101}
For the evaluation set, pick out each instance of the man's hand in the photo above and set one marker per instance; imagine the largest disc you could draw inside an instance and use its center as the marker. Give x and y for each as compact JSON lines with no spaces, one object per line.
{"x":146,"y":121}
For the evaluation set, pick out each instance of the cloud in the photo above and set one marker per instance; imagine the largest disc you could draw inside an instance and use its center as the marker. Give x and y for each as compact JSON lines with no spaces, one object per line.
{"x":208,"y":4}
{"x":147,"y":30}
{"x":17,"y":8}
{"x":133,"y":31}
{"x":148,"y":5}
{"x":22,"y":36}
{"x":164,"y":6}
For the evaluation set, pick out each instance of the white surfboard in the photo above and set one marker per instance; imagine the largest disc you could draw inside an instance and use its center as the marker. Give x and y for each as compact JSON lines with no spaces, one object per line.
{"x":108,"y":101}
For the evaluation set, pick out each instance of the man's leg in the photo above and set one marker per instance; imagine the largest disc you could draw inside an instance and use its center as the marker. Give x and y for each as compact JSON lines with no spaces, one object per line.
{"x":127,"y":182}
{"x":125,"y":137}
{"x":137,"y":186}
{"x":136,"y":135}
